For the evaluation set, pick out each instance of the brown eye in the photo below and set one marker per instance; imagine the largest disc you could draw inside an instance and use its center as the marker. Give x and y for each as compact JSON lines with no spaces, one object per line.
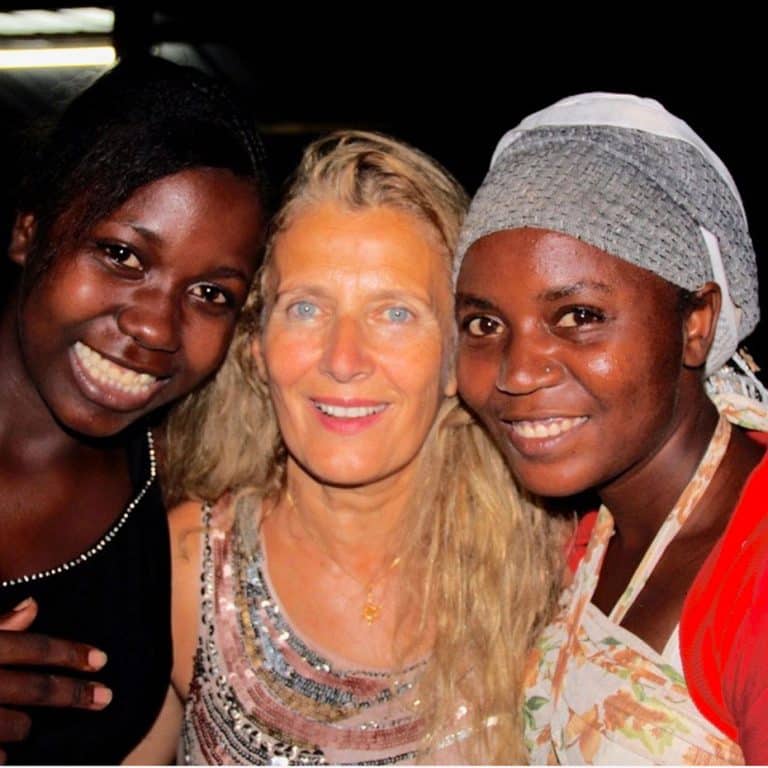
{"x":482,"y":326}
{"x":121,"y":254}
{"x":579,"y":316}
{"x":210,"y":294}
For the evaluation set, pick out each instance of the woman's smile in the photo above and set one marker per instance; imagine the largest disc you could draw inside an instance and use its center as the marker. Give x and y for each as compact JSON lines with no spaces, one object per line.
{"x":111,"y":384}
{"x":348,"y":417}
{"x":544,"y":429}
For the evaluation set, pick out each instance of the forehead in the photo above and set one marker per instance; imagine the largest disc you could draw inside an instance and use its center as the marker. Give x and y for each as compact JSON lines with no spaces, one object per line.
{"x":328,"y":241}
{"x":186,"y":191}
{"x":187,"y":195}
{"x":545,"y":262}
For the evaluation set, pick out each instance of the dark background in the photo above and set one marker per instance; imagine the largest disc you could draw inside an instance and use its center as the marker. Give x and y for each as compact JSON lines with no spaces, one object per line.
{"x":449,"y":80}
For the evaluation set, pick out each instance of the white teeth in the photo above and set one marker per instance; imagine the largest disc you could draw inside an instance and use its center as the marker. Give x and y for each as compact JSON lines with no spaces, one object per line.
{"x":107,"y":372}
{"x":355,"y":412}
{"x":546,"y":427}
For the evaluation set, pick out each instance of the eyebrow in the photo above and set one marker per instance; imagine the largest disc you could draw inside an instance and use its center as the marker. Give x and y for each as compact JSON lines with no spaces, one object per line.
{"x":563,"y":292}
{"x":147,"y":234}
{"x":385,"y":294}
{"x":228,"y":272}
{"x":470,"y":300}
{"x":551,"y":294}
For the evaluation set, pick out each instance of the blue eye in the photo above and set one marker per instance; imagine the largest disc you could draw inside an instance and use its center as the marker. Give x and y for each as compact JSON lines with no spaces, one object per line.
{"x":398,"y":315}
{"x":303,"y":310}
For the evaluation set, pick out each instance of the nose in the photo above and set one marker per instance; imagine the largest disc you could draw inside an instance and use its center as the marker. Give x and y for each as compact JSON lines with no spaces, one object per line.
{"x":347,"y":354}
{"x":151,"y":318}
{"x":527,"y":364}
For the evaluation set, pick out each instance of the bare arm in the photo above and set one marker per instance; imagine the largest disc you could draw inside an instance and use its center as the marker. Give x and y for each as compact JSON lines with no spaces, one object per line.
{"x":159,"y":746}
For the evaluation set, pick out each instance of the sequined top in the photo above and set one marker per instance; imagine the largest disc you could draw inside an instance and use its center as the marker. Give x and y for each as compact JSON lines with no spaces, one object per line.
{"x":261,"y":695}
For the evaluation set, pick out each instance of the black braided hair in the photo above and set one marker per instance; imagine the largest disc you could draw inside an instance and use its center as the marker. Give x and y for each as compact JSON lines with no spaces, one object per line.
{"x":141,"y":121}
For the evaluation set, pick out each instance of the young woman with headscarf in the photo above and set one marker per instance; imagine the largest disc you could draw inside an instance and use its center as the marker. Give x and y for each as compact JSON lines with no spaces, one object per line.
{"x":608,"y":276}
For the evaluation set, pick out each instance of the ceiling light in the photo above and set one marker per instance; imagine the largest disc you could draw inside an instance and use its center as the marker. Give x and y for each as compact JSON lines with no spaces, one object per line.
{"x":65,"y":21}
{"x":55,"y":58}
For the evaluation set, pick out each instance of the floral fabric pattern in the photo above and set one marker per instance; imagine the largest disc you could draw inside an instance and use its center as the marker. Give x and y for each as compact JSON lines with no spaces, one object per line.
{"x":598,"y":694}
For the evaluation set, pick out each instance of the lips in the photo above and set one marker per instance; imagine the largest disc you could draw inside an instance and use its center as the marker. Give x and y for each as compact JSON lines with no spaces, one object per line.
{"x":348,"y":417}
{"x":106,"y":372}
{"x":110,"y":384}
{"x":542,"y":438}
{"x":349,"y":412}
{"x":549,"y":427}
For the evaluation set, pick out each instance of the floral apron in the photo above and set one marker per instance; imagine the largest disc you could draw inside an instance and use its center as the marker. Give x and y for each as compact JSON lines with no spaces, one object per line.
{"x":598,"y":694}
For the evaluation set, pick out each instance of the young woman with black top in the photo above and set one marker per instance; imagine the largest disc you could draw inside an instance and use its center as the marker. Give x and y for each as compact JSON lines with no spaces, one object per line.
{"x":137,"y":236}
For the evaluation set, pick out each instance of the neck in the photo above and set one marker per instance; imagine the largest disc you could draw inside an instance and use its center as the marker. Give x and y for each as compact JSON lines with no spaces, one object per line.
{"x":642,"y":498}
{"x":360,"y":528}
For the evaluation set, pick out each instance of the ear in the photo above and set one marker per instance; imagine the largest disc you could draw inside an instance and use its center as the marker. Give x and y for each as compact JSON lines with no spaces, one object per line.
{"x":258,"y":358}
{"x":700,"y":324}
{"x":22,"y":237}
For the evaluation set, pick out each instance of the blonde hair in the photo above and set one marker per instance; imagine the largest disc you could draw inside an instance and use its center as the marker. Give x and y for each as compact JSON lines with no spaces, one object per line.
{"x":484,"y":563}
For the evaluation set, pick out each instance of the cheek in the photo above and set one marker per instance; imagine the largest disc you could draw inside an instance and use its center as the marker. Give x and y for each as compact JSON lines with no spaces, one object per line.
{"x":206,"y":342}
{"x":287,"y":358}
{"x":84,"y":289}
{"x":417,"y":367}
{"x":64,"y":295}
{"x":606,"y":365}
{"x":611,"y":375}
{"x":635,"y":387}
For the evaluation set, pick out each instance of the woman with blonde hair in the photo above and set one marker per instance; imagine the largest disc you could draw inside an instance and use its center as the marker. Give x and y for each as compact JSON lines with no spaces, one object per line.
{"x":370,"y":580}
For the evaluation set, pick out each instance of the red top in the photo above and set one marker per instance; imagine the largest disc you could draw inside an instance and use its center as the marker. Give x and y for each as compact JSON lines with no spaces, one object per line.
{"x":724,"y":622}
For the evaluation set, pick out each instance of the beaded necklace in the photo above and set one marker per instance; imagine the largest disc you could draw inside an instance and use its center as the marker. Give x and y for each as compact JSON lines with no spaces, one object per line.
{"x":105,"y":539}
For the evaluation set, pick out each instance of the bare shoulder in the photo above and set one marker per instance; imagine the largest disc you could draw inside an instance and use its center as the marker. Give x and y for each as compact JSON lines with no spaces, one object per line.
{"x":186,"y":516}
{"x":185,"y":522}
{"x":187,"y":531}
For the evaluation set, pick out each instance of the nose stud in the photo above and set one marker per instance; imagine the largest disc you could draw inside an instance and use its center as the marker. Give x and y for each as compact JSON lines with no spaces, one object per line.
{"x":547,"y":369}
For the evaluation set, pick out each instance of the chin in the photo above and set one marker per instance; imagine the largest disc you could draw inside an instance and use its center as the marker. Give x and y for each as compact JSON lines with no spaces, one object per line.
{"x":344,"y":479}
{"x":341,"y":472}
{"x":551,"y":481}
{"x":96,"y":427}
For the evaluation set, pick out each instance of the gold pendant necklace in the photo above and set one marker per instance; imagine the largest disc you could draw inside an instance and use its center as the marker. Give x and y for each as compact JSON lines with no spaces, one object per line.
{"x":371,"y":610}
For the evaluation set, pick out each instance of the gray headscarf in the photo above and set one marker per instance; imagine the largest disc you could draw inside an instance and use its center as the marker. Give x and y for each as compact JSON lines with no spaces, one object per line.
{"x":623,"y":174}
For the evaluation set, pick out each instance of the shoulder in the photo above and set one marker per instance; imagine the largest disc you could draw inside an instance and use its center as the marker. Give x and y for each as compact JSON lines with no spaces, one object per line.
{"x":744,"y":671}
{"x":187,"y":532}
{"x":186,"y":526}
{"x":191,"y":524}
{"x":185,"y":518}
{"x":724,"y":626}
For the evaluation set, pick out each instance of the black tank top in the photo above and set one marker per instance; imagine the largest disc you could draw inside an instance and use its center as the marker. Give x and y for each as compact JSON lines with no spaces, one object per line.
{"x":118,"y":600}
